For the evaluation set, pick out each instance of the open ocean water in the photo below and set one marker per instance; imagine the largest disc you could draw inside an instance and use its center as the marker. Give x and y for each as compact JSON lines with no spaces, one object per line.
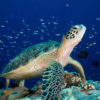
{"x":27,"y":22}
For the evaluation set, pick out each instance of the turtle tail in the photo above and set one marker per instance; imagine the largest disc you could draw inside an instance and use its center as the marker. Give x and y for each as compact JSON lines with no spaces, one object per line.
{"x":52,"y":81}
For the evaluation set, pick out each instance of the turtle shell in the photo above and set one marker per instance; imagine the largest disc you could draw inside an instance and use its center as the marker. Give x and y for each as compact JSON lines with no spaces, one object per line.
{"x":29,"y":53}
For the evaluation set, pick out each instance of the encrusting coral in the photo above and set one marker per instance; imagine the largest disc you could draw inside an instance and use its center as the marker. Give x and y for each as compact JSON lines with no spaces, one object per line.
{"x":72,"y":82}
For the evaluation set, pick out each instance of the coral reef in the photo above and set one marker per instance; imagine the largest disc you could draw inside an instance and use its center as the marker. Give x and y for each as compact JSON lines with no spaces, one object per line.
{"x":13,"y":93}
{"x":73,"y":89}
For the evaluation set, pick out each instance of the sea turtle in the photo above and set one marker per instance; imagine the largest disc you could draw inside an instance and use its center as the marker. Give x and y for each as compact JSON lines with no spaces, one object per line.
{"x":32,"y":61}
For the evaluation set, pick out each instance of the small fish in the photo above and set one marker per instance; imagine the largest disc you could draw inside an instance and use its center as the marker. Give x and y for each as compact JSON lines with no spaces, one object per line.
{"x":83,"y":54}
{"x":95,"y":63}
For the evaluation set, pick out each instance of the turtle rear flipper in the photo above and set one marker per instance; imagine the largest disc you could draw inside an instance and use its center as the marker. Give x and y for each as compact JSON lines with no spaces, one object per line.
{"x":13,"y":75}
{"x":6,"y":75}
{"x":17,"y":74}
{"x":19,"y":83}
{"x":52,"y":81}
{"x":7,"y":83}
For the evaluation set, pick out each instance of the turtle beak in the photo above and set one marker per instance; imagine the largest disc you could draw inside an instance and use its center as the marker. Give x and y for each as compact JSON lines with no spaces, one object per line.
{"x":81,"y":32}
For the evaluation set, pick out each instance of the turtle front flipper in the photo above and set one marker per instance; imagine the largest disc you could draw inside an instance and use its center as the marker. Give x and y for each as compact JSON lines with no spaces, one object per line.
{"x":52,"y":81}
{"x":78,"y":67}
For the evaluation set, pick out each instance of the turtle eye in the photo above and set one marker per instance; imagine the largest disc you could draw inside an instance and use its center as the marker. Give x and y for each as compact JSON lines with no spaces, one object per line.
{"x":75,"y":28}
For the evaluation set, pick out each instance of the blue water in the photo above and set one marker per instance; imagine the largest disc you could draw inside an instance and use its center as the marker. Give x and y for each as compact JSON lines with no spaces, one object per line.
{"x":27,"y":22}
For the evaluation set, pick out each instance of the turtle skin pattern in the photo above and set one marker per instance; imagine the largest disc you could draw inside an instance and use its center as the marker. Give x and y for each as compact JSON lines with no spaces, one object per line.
{"x":52,"y":81}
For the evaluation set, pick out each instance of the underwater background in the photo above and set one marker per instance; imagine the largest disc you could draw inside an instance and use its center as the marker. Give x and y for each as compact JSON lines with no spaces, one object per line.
{"x":26,"y":22}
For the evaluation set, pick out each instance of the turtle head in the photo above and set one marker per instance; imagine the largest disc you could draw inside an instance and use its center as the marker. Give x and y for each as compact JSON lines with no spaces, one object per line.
{"x":75,"y":34}
{"x":69,"y":41}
